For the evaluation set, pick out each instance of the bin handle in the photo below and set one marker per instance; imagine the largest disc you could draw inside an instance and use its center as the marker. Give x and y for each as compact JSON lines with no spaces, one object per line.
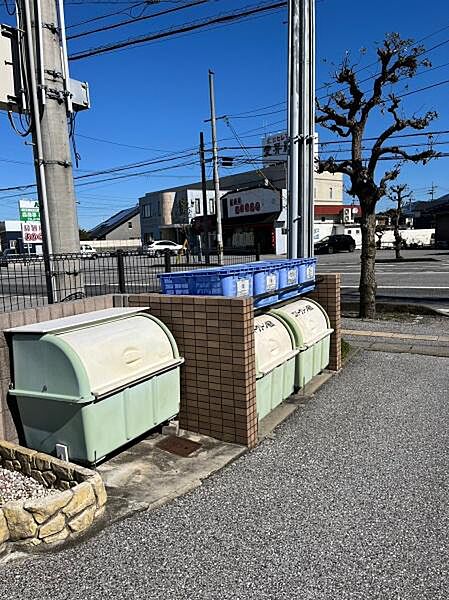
{"x":163,"y":369}
{"x":285,"y":359}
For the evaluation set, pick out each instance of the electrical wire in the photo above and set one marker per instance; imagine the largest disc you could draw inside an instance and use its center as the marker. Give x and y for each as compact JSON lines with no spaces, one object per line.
{"x":187,"y":27}
{"x":138,"y":19}
{"x":108,"y":15}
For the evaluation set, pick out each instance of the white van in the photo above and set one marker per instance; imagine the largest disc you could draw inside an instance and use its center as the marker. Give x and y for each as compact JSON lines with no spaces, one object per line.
{"x":88,"y":251}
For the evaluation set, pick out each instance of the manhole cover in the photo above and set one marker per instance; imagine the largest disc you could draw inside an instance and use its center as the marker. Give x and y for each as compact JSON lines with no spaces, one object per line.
{"x":178,"y":445}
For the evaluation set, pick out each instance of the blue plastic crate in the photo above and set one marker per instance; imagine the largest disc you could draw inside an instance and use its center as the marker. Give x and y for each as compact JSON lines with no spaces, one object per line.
{"x":209,"y":282}
{"x":266,"y":279}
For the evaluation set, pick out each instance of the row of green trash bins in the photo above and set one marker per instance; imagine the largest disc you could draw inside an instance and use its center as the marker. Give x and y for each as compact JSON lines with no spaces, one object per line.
{"x":87,"y":385}
{"x":292,"y":346}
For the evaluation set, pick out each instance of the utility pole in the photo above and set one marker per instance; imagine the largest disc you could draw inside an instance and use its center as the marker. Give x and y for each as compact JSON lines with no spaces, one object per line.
{"x":215,"y":165}
{"x":431,"y":193}
{"x":41,"y":182}
{"x":301,"y":126}
{"x":204,"y":193}
{"x":54,"y":161}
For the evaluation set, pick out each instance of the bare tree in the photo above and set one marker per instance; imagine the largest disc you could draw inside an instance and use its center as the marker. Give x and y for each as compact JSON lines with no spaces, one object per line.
{"x":346,"y":113}
{"x":398,"y":194}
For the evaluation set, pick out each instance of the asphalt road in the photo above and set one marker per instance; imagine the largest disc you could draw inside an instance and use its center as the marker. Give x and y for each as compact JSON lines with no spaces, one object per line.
{"x":347,"y":501}
{"x":422,"y":277}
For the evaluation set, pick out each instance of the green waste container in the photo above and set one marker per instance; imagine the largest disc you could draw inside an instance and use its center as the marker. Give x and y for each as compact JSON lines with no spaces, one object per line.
{"x":311,"y":329}
{"x":93,"y":382}
{"x":275,"y":362}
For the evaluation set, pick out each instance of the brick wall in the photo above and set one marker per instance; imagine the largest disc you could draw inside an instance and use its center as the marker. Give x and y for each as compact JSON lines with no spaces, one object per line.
{"x":327,"y":293}
{"x":215,"y":335}
{"x":8,"y":412}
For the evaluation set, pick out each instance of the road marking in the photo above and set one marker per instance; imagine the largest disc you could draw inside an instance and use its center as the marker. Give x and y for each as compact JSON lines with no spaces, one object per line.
{"x":401,"y":336}
{"x":401,"y":287}
{"x":393,"y":272}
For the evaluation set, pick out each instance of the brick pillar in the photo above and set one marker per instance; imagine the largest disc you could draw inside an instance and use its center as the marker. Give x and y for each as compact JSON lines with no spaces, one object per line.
{"x":215,"y":336}
{"x":327,"y":293}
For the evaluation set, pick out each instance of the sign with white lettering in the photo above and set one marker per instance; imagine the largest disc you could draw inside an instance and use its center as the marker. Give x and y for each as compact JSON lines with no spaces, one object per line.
{"x":253,"y":202}
{"x":29,"y":211}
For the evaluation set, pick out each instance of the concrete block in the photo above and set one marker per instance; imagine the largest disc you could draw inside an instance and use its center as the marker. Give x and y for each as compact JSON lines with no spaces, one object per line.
{"x":17,"y":319}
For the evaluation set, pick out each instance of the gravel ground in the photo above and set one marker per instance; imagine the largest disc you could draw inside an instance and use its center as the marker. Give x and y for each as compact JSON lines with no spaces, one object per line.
{"x":15,"y":486}
{"x":421,"y":324}
{"x":348,"y":501}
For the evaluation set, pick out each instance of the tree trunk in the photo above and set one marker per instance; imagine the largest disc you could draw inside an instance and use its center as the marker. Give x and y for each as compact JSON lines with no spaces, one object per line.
{"x":397,"y":238}
{"x":367,"y":287}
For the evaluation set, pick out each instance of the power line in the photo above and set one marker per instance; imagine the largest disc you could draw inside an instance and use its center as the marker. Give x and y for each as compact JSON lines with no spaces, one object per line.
{"x":108,"y":15}
{"x":137,"y":19}
{"x":187,"y":27}
{"x":110,"y":171}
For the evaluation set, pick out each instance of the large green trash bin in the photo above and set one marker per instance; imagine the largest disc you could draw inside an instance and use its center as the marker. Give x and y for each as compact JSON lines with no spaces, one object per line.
{"x":93,"y":382}
{"x":275,"y":363}
{"x":311,"y":329}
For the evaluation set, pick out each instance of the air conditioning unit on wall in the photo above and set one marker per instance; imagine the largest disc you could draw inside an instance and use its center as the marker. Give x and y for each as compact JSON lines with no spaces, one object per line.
{"x":347,"y":215}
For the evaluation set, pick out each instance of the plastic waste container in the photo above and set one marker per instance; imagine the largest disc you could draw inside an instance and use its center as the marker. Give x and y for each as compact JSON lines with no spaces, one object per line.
{"x":311,"y":329}
{"x":275,"y":362}
{"x":93,"y":382}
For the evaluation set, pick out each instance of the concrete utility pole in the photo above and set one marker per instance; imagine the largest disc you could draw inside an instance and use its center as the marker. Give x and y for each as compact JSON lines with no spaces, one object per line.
{"x":38,"y":154}
{"x":204,"y":194}
{"x":215,"y":165}
{"x":51,"y":103}
{"x":301,"y":126}
{"x":49,"y":38}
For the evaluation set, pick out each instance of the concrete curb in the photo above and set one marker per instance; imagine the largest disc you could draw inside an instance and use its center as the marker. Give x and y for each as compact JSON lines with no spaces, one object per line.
{"x":397,"y":307}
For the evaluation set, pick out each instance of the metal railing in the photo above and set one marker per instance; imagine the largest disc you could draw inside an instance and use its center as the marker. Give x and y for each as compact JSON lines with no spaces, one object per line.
{"x":24,"y":282}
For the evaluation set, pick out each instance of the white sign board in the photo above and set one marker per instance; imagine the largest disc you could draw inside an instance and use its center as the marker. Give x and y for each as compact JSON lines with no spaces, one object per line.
{"x":275,"y":148}
{"x":31,"y":232}
{"x":256,"y":201}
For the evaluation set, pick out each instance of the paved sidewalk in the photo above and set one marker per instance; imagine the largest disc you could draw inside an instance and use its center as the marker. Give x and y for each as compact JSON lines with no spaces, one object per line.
{"x":347,"y":501}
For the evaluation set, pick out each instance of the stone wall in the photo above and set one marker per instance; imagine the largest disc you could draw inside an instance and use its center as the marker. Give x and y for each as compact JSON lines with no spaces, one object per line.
{"x":8,"y":413}
{"x":52,"y":518}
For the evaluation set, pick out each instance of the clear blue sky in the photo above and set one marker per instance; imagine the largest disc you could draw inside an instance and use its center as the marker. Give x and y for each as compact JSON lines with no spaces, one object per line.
{"x":156,"y":95}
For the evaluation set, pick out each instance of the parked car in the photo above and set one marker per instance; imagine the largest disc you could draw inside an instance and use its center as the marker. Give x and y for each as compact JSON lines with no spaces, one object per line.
{"x":6,"y":256}
{"x":335,"y":243}
{"x":88,"y":251}
{"x":159,"y":248}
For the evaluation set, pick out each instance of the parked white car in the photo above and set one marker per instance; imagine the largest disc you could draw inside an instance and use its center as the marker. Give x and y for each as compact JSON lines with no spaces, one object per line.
{"x":88,"y":251}
{"x":159,"y":248}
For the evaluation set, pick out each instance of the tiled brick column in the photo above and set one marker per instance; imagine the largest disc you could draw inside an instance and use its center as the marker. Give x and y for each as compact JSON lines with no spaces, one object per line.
{"x":327,"y":293}
{"x":8,"y":412}
{"x":215,"y":335}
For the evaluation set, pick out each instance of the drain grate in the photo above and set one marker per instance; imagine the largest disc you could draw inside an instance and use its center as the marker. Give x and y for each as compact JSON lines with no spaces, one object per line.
{"x":178,"y":445}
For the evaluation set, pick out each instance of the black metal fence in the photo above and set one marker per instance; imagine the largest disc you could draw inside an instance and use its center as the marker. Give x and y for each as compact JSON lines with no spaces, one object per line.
{"x":25,"y":279}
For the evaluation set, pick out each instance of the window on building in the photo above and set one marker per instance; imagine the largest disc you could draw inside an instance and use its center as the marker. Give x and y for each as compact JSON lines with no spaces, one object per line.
{"x":158,"y":208}
{"x":211,"y":206}
{"x":130,"y":224}
{"x":314,"y":192}
{"x":197,"y":206}
{"x":331,"y":193}
{"x":147,"y":211}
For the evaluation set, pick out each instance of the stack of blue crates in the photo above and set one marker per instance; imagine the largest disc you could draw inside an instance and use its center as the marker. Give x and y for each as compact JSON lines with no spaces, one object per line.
{"x":246,"y":280}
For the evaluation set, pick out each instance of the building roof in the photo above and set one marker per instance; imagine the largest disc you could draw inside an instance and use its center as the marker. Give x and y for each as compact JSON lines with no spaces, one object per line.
{"x":427,"y":206}
{"x":330,"y":209}
{"x":113,"y":222}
